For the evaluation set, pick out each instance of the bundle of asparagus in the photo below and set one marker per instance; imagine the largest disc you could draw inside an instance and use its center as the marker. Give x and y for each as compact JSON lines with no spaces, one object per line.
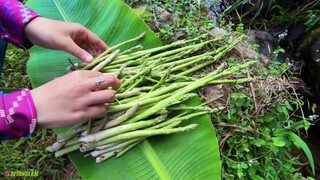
{"x":151,"y":98}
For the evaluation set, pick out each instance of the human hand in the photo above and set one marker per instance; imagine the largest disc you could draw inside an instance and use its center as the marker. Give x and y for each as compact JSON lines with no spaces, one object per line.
{"x":70,"y":37}
{"x":73,"y":98}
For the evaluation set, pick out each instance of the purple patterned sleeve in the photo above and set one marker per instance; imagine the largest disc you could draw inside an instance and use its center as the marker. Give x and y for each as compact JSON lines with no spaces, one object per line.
{"x":17,"y":115}
{"x":14,"y":16}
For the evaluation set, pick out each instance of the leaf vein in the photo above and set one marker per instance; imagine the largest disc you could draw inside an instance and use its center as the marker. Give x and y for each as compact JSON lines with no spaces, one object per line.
{"x":154,"y":160}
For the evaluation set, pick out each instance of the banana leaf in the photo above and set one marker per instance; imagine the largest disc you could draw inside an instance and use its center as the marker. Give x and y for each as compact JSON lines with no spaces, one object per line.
{"x":189,"y":155}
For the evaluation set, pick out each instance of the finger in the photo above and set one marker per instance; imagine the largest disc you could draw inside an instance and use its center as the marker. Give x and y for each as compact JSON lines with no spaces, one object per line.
{"x":99,"y":50}
{"x":78,"y":52}
{"x":86,"y":74}
{"x":88,"y":47}
{"x":95,"y":111}
{"x":97,"y":43}
{"x":105,"y":81}
{"x":91,"y":50}
{"x":100,"y":97}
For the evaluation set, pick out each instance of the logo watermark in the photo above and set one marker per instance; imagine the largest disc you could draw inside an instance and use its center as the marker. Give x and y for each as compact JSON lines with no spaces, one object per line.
{"x":21,"y":173}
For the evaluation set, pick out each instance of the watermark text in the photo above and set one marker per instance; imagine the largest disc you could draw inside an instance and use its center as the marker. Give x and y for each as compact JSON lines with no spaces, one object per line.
{"x":21,"y":173}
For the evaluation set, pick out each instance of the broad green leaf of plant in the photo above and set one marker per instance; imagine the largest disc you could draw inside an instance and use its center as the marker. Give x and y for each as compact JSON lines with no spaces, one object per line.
{"x":279,"y":141}
{"x":112,"y":21}
{"x":189,"y":155}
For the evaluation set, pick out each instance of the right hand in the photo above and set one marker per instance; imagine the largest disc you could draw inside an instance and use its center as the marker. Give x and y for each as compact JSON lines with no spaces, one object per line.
{"x":73,"y":98}
{"x":70,"y":37}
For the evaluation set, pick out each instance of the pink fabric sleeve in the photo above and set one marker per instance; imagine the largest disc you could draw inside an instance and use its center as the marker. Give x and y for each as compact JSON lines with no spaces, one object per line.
{"x":14,"y":16}
{"x":17,"y":115}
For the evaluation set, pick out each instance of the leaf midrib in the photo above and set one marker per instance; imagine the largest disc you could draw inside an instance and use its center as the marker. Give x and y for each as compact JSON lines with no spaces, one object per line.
{"x":62,"y":12}
{"x":145,"y":145}
{"x":154,"y":160}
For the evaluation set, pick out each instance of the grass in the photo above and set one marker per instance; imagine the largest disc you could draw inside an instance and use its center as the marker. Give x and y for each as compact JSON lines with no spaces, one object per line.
{"x":254,"y":131}
{"x":14,"y":75}
{"x":263,"y":16}
{"x":27,"y":154}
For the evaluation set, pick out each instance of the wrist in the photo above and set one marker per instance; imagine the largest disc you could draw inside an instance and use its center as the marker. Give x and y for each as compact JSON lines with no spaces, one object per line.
{"x":18,"y":114}
{"x":30,"y":29}
{"x":14,"y":17}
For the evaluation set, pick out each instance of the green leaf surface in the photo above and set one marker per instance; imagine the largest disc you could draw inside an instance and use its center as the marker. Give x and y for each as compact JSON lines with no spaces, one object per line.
{"x":279,"y":141}
{"x":301,"y":144}
{"x":188,"y":155}
{"x":113,"y":21}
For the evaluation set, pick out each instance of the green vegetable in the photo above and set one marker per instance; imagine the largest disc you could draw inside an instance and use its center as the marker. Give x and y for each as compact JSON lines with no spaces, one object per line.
{"x":150,"y":100}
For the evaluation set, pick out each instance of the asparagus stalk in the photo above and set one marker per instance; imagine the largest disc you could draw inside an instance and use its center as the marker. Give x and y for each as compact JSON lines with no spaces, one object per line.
{"x":160,"y":91}
{"x":111,"y":146}
{"x":106,"y":146}
{"x":55,"y":146}
{"x":73,"y":131}
{"x":131,"y":50}
{"x":105,"y":156}
{"x":123,"y":151}
{"x":127,"y":94}
{"x":183,"y":118}
{"x":199,"y":83}
{"x":136,"y":83}
{"x":98,"y":136}
{"x":161,"y":48}
{"x":100,"y":150}
{"x":120,"y":107}
{"x":162,"y":80}
{"x":99,"y":58}
{"x":103,"y":123}
{"x":215,"y":58}
{"x":72,"y":146}
{"x":136,"y":134}
{"x":72,"y":142}
{"x":136,"y":142}
{"x":133,"y":142}
{"x":134,"y":63}
{"x":157,"y":66}
{"x":197,"y":108}
{"x":177,"y":56}
{"x":89,"y":126}
{"x":66,"y":150}
{"x":106,"y":61}
{"x":124,"y":117}
{"x":121,"y":69}
{"x":134,"y":77}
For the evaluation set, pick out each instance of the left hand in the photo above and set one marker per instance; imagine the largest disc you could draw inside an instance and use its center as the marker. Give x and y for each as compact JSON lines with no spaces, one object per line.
{"x":70,"y":37}
{"x":73,"y":98}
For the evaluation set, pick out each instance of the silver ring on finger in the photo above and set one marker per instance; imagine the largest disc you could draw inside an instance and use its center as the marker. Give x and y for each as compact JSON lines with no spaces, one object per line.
{"x":99,"y":81}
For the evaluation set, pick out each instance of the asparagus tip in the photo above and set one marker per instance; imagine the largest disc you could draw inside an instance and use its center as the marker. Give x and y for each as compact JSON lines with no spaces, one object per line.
{"x":142,"y":34}
{"x":191,"y":126}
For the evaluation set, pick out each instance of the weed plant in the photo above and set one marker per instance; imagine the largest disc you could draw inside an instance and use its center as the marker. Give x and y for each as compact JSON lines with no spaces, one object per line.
{"x":26,"y":154}
{"x":255,"y":131}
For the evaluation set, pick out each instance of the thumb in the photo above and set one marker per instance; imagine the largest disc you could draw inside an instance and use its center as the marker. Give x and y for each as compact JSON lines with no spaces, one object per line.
{"x":79,"y":53}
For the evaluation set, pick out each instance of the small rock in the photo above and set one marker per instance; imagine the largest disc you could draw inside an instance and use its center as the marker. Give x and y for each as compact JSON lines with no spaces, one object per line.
{"x":310,"y":52}
{"x":265,"y":41}
{"x":165,"y":18}
{"x":216,"y":8}
{"x":267,"y":44}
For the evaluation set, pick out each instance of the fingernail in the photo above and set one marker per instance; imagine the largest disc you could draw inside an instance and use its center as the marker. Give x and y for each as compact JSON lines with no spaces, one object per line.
{"x":89,"y":59}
